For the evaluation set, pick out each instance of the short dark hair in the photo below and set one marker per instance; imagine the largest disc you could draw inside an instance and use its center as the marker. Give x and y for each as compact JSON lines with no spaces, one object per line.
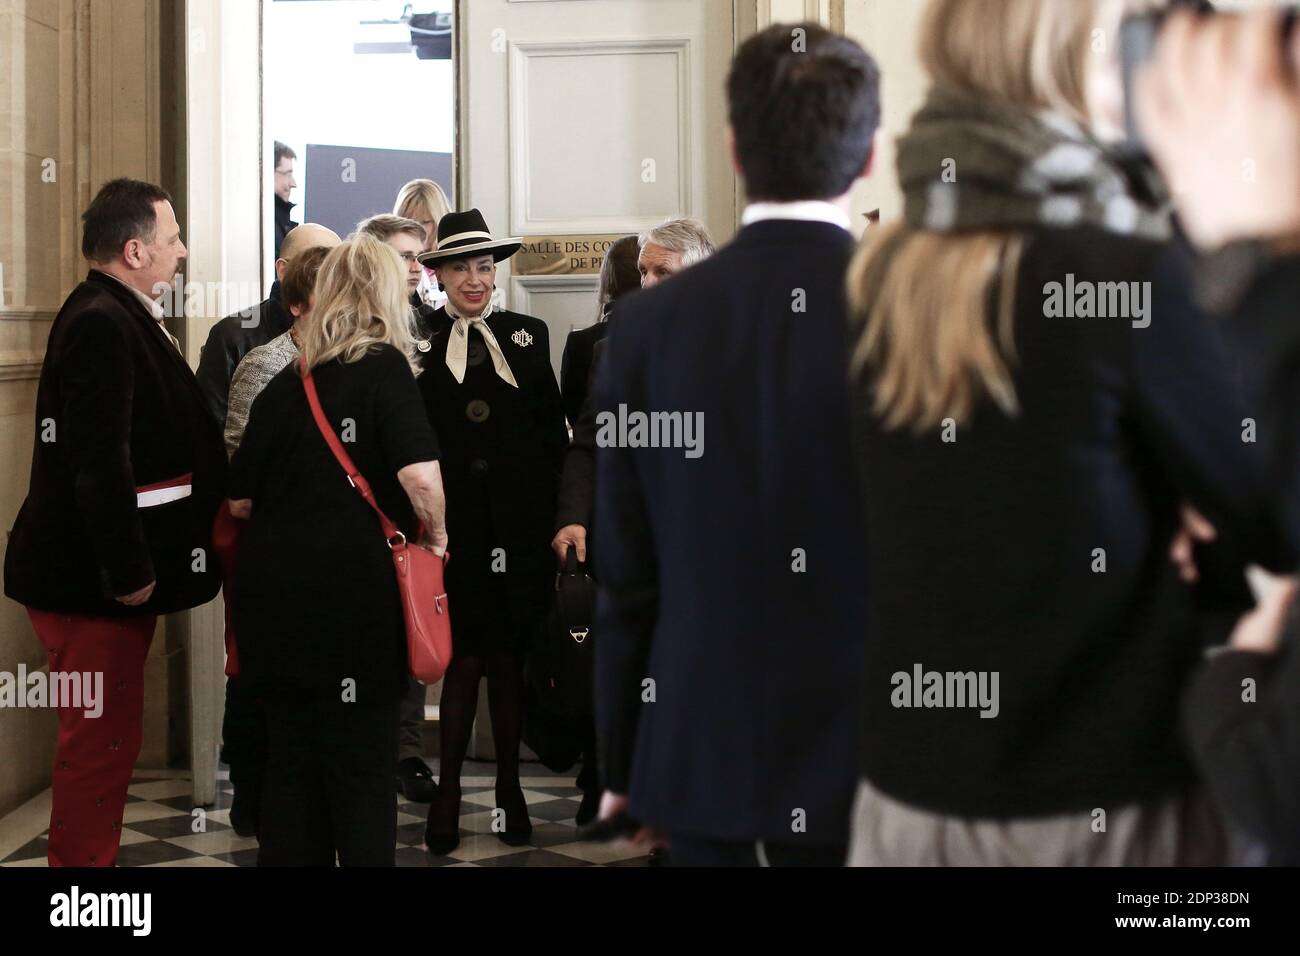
{"x":121,"y":211}
{"x":618,"y":273}
{"x":282,"y":151}
{"x":300,"y":277}
{"x":804,"y":104}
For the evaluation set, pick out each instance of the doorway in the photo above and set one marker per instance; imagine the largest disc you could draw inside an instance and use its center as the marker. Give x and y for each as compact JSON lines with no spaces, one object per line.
{"x":363,"y":92}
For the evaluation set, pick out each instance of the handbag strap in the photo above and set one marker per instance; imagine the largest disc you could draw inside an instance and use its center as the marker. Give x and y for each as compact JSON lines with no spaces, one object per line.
{"x":355,"y":478}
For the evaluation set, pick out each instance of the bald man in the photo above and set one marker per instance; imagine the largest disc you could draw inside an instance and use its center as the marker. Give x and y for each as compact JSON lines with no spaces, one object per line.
{"x":235,"y":335}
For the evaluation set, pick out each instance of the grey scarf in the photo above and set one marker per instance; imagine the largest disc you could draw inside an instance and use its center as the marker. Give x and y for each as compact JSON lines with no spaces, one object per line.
{"x":970,"y":163}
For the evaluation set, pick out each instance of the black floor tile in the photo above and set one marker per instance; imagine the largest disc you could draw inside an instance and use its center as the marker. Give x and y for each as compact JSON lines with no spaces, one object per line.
{"x":553,"y":810}
{"x":165,"y":827}
{"x":186,"y":802}
{"x":416,"y":856}
{"x":36,"y":849}
{"x":552,"y":834}
{"x":157,"y":851}
{"x":532,"y":857}
{"x":239,"y":857}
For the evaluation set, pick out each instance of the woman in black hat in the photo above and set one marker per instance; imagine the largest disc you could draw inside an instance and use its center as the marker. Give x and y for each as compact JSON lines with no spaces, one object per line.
{"x":491,"y":394}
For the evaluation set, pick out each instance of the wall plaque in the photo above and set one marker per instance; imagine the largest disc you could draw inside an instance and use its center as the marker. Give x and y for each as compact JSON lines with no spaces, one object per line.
{"x":562,"y":255}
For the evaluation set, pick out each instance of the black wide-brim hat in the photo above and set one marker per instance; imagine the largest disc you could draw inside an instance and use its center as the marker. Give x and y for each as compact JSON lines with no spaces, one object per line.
{"x":462,"y":235}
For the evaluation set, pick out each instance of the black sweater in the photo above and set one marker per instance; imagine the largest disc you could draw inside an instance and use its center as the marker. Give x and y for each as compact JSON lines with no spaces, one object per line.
{"x":984,"y":551}
{"x":316,"y":600}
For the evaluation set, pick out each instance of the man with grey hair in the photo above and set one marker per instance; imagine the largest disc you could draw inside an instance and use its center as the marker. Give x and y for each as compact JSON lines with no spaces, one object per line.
{"x":666,"y":250}
{"x":670,"y":247}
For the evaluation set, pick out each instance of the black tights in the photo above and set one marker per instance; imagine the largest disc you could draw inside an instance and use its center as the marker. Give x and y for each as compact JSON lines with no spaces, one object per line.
{"x":505,"y":677}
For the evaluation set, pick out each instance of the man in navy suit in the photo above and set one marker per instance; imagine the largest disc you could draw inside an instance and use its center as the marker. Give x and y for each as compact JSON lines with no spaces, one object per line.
{"x":730,"y":628}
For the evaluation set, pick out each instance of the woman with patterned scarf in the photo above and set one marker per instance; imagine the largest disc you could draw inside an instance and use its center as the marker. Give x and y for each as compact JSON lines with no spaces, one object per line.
{"x":1038,"y":397}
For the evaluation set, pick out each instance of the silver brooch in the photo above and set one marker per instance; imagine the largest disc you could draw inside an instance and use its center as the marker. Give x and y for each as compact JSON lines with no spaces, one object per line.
{"x":423,"y":345}
{"x":522,"y":339}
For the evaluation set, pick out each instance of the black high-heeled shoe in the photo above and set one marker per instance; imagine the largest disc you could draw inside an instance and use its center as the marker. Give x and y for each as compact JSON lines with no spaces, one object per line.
{"x":442,"y":829}
{"x":588,"y":808}
{"x":519,"y":828}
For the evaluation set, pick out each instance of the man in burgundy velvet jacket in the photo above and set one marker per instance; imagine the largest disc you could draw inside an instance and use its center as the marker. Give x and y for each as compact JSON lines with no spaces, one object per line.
{"x":127,"y":472}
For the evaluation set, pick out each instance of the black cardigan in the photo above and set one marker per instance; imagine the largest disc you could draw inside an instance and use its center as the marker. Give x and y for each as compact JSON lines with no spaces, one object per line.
{"x":984,"y":551}
{"x":122,"y":410}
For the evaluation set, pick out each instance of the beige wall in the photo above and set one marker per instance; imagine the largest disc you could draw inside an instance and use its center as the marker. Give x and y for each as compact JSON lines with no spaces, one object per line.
{"x":888,"y":29}
{"x":81,"y":101}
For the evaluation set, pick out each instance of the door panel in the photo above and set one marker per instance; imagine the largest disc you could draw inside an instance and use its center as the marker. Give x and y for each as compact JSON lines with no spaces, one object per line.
{"x":583,"y":117}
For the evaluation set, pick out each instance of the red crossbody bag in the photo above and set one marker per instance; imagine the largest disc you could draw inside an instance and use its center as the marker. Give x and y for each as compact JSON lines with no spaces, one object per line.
{"x":419,"y":572}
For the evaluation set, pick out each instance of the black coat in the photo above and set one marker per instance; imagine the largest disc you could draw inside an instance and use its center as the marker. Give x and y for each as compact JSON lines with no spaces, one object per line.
{"x":575,"y":368}
{"x":578,"y":484}
{"x":502,"y":452}
{"x":1249,"y":751}
{"x":125,"y":413}
{"x":229,"y":341}
{"x":755,"y":664}
{"x":283,"y":224}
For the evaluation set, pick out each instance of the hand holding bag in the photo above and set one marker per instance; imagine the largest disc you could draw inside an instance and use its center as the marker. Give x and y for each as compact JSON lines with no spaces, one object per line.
{"x":419,"y":572}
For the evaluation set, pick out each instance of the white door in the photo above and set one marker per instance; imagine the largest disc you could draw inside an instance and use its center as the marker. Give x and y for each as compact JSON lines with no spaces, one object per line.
{"x":591,"y":118}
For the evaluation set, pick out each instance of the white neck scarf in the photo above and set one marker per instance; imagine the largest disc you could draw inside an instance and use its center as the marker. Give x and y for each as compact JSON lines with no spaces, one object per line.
{"x":458,"y":346}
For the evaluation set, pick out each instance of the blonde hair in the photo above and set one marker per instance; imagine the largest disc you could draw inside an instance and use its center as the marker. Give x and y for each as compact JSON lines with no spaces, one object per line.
{"x":421,"y":200}
{"x":385,"y":226}
{"x":360,"y":303}
{"x":936,"y":310}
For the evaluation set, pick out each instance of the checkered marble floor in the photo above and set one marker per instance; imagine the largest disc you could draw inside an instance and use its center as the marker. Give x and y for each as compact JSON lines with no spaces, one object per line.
{"x":158,"y":827}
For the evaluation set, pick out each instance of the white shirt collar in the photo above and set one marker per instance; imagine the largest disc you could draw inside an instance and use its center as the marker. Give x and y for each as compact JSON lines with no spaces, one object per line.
{"x":807,"y":210}
{"x":155,"y":308}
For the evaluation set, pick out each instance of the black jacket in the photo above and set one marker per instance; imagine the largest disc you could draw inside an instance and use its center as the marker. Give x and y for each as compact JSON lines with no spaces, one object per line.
{"x":502,"y":451}
{"x":575,"y":368}
{"x":283,"y":224}
{"x":735,"y":581}
{"x":578,"y":484}
{"x":229,"y":341}
{"x":1249,"y":750}
{"x":987,"y":552}
{"x":117,"y":408}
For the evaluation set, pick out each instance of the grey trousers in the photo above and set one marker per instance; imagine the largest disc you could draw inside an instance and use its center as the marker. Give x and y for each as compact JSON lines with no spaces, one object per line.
{"x":410,"y":722}
{"x":1177,"y":831}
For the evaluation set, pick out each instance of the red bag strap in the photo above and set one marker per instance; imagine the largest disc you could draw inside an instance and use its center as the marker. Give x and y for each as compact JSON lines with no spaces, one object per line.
{"x":355,"y":478}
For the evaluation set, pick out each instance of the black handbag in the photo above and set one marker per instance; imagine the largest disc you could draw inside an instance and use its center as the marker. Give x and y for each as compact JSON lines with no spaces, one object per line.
{"x":562,"y":671}
{"x":558,"y":695}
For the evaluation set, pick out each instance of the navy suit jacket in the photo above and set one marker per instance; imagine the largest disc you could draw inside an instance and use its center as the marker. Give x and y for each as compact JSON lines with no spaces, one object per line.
{"x":730,"y":628}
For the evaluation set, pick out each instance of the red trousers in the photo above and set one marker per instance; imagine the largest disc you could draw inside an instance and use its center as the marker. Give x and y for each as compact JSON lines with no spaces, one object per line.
{"x":95,"y":755}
